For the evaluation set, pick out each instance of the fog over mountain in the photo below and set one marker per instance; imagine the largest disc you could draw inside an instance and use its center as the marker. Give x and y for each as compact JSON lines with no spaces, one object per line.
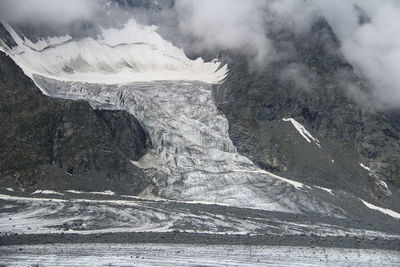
{"x":368,"y":31}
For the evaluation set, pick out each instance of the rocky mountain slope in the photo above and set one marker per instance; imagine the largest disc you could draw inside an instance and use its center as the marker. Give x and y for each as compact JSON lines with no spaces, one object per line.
{"x":48,"y":143}
{"x":359,"y":145}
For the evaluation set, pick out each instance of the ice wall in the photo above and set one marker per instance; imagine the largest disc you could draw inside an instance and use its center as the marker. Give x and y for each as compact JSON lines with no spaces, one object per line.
{"x":127,"y":54}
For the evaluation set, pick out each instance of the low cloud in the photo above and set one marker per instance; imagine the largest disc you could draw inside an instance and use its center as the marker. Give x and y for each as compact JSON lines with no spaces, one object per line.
{"x":243,"y":25}
{"x":227,"y":24}
{"x":368,"y":31}
{"x":47,"y":11}
{"x":374,"y":49}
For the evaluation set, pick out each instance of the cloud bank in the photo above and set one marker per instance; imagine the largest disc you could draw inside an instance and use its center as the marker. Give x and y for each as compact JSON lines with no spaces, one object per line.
{"x":368,"y":31}
{"x":374,"y":49}
{"x":227,"y":24}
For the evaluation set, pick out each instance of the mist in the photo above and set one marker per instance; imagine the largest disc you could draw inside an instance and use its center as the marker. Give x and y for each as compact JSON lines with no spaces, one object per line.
{"x":367,"y":29}
{"x":227,"y":24}
{"x":374,"y":49}
{"x":47,"y":11}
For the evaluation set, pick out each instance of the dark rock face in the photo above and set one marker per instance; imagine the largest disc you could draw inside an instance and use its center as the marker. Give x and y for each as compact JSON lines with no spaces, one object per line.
{"x":143,"y":4}
{"x":56,"y":144}
{"x":312,"y":85}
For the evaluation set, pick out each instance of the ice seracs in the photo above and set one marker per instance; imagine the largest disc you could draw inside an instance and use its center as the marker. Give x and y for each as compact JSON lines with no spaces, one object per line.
{"x":128,"y":54}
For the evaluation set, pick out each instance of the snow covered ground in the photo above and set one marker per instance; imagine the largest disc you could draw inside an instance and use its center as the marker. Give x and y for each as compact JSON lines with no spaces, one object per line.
{"x":191,"y":255}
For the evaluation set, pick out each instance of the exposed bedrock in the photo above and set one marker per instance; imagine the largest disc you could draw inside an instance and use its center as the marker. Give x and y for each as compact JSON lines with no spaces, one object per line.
{"x":312,"y":85}
{"x":59,"y":144}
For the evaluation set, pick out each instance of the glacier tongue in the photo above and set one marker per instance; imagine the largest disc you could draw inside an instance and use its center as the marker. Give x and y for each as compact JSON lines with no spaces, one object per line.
{"x":191,"y":140}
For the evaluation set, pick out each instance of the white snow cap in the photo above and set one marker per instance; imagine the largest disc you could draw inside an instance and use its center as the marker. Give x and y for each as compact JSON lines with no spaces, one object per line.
{"x":134,"y":53}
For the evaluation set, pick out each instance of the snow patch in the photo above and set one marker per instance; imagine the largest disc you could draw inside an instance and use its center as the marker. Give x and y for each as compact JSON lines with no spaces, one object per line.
{"x":303,"y":131}
{"x":10,"y":189}
{"x":382,"y":183}
{"x":330,"y":191}
{"x":75,"y":192}
{"x":105,"y":193}
{"x":297,"y":185}
{"x":365,"y":167}
{"x":389,"y":212}
{"x":46,"y":192}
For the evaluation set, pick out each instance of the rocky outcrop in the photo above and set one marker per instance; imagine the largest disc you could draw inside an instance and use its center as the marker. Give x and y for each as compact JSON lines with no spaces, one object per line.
{"x":312,"y":85}
{"x":58,"y":144}
{"x":143,"y":4}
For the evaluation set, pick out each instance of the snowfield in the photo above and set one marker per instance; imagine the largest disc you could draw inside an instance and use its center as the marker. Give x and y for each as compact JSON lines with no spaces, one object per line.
{"x":130,"y":54}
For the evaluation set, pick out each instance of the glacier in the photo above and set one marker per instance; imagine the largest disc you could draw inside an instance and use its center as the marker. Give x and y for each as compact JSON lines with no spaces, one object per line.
{"x":133,"y":68}
{"x":191,"y":142}
{"x":201,"y":184}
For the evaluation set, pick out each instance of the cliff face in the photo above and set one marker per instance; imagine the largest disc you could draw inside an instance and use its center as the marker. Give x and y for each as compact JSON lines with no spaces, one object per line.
{"x":57,"y":144}
{"x":350,"y":130}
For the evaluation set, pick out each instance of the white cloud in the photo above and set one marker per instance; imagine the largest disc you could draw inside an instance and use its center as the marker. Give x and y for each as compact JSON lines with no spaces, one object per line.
{"x":227,"y":24}
{"x":372,"y":48}
{"x":47,"y":11}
